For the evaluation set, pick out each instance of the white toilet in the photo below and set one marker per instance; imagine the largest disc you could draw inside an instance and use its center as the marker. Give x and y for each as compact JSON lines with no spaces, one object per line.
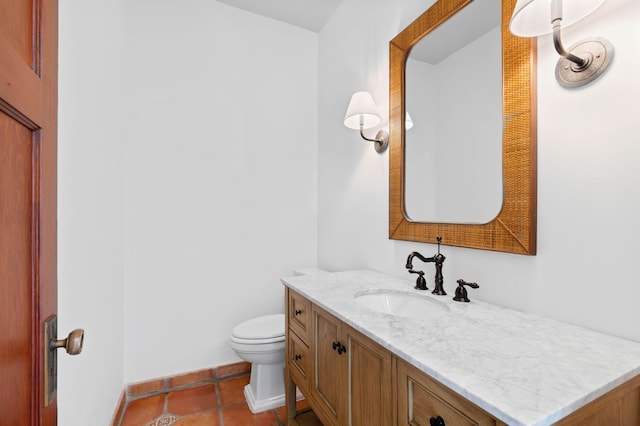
{"x":260,"y":341}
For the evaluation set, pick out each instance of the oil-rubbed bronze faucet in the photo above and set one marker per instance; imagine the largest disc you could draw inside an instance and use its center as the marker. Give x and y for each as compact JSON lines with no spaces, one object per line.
{"x":438,"y":259}
{"x":461,"y":292}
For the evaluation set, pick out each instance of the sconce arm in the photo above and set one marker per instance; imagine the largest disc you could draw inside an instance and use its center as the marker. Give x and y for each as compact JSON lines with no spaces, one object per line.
{"x":366,"y":138}
{"x":557,"y":42}
{"x":381,"y":142}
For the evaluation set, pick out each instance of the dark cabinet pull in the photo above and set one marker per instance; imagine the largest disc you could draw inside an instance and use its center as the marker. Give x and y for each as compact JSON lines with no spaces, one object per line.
{"x":340,"y":348}
{"x":297,"y":357}
{"x":298,"y":312}
{"x":436,"y":421}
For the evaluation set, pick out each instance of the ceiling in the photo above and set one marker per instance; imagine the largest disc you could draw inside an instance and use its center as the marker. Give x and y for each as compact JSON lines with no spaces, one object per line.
{"x":308,"y":14}
{"x":467,"y":25}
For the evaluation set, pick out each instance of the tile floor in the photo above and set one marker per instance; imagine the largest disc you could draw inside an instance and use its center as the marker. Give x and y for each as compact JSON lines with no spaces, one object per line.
{"x":200,"y":399}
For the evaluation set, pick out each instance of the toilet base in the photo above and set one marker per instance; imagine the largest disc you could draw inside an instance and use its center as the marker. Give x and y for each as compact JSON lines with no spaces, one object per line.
{"x":265,"y":390}
{"x":258,"y":406}
{"x":266,"y":404}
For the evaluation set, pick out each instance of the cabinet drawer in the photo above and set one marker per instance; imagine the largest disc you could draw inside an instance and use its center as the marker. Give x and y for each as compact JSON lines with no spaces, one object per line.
{"x":421,"y":398}
{"x":299,"y":360}
{"x":299,"y":310}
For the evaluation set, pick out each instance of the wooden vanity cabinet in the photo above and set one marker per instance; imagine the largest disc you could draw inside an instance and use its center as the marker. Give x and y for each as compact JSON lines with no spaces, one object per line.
{"x":349,"y":380}
{"x":345,"y":376}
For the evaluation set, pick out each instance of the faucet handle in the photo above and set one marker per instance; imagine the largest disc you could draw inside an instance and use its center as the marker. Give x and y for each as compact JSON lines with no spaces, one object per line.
{"x":421,"y":283}
{"x":461,"y":292}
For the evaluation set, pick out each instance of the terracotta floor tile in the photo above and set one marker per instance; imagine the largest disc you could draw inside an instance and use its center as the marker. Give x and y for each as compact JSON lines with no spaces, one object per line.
{"x":232,"y":369}
{"x":146,"y":387}
{"x":240,"y":415}
{"x":210,"y":418}
{"x":192,"y":400}
{"x":143,"y":410}
{"x":189,"y":378}
{"x":232,"y":390}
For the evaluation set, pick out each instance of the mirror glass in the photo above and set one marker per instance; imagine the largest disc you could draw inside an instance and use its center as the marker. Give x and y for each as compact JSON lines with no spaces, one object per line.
{"x":453,"y":75}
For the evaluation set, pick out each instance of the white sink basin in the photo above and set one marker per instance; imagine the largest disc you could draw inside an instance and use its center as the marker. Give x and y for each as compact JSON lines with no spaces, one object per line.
{"x":401,"y":304}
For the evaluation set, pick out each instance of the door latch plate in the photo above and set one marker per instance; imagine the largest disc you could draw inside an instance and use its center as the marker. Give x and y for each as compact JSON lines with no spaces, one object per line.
{"x":50,"y":360}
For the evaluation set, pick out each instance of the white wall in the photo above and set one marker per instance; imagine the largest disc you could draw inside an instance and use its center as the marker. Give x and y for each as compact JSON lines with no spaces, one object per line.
{"x":90,"y":208}
{"x":221,"y":177}
{"x":585,"y":270}
{"x":187,"y":186}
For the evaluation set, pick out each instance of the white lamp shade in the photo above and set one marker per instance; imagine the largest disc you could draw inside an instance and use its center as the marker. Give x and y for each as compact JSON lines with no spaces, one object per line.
{"x":408,"y":122}
{"x":361,"y":110}
{"x":532,"y":18}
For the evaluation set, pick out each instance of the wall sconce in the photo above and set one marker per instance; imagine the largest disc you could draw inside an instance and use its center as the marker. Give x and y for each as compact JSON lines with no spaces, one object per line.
{"x":587,"y":59}
{"x":361,"y":114}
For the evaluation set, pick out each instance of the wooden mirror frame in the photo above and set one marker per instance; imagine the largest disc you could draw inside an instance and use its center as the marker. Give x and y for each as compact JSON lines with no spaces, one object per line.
{"x":514,"y":229}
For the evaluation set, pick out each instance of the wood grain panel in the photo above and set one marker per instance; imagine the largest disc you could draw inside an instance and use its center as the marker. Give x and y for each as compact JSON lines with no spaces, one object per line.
{"x":370,"y":385}
{"x":16,"y":280}
{"x":328,"y":379}
{"x":16,"y":21}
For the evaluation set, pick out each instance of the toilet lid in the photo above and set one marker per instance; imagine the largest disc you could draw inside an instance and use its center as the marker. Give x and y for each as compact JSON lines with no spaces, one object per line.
{"x":265,"y":327}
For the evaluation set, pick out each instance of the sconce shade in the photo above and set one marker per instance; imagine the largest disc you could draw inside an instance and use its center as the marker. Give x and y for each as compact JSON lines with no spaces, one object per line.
{"x":532,"y":18}
{"x":408,"y":122}
{"x":361,"y":111}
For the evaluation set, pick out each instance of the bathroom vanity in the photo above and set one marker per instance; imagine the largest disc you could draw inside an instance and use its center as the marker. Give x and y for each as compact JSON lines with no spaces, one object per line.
{"x":450,"y":363}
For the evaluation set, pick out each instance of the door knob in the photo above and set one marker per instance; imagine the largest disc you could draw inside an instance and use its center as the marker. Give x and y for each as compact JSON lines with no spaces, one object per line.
{"x":72,"y":344}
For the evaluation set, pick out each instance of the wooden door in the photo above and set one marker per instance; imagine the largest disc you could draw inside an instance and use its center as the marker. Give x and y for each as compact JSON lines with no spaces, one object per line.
{"x":328,"y":380}
{"x":28,"y":116}
{"x":369,"y":390}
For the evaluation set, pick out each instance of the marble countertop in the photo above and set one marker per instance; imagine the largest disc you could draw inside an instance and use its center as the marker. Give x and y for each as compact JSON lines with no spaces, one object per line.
{"x":521,"y":368}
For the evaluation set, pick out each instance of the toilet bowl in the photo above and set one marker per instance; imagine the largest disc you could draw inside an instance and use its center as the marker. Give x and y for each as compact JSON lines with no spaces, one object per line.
{"x":261,"y":342}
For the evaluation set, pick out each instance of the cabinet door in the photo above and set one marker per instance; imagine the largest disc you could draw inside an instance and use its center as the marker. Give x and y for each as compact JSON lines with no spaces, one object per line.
{"x":369,"y":381}
{"x":328,"y":372}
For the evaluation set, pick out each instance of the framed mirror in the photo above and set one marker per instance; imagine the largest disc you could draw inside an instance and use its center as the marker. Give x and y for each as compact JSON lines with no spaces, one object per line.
{"x":496,"y":208}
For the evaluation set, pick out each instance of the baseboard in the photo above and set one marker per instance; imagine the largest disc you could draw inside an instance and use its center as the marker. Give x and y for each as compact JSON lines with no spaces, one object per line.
{"x":160,"y":385}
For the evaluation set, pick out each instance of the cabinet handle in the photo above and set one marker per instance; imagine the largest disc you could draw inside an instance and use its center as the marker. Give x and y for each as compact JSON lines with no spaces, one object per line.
{"x":298,"y":312}
{"x":340,"y":348}
{"x":436,"y":421}
{"x":297,"y":357}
